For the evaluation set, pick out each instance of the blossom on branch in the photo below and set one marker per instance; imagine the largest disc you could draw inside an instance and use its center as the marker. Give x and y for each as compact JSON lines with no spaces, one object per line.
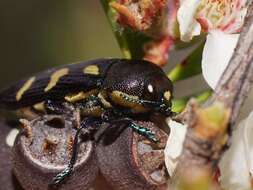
{"x":144,"y":15}
{"x":156,"y":19}
{"x":222,"y":20}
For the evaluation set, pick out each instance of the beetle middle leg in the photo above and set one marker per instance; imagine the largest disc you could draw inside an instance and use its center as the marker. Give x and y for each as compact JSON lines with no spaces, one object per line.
{"x":59,"y":108}
{"x":60,"y":177}
{"x":56,"y":107}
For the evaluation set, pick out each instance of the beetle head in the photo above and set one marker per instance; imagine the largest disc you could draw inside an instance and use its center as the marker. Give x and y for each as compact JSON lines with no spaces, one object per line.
{"x":157,"y":93}
{"x":140,"y":86}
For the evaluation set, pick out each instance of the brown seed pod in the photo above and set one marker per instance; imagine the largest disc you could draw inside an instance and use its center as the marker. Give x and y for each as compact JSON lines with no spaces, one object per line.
{"x":38,"y":159}
{"x":130,"y":161}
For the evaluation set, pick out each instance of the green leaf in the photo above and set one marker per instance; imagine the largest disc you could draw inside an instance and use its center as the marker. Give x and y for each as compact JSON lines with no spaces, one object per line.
{"x":189,"y":67}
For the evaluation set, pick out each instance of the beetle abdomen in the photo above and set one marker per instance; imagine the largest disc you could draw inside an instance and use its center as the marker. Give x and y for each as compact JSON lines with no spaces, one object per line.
{"x":55,"y":84}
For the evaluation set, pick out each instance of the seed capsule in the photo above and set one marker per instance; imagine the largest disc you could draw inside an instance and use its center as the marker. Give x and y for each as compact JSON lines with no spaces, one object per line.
{"x":36,"y":163}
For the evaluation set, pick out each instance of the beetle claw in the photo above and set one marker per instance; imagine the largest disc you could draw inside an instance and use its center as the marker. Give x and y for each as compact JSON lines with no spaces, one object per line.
{"x":151,"y":136}
{"x":61,"y":176}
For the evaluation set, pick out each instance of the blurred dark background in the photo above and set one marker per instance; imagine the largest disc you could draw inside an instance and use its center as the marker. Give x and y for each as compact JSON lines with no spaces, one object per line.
{"x":38,"y":34}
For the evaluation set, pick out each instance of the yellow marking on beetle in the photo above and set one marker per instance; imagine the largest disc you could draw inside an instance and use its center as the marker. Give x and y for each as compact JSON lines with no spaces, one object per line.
{"x":80,"y":95}
{"x":101,"y":97}
{"x":128,"y":101}
{"x":39,"y":106}
{"x":94,"y":111}
{"x":24,"y":88}
{"x":91,"y":69}
{"x":167,"y":95}
{"x":55,"y":77}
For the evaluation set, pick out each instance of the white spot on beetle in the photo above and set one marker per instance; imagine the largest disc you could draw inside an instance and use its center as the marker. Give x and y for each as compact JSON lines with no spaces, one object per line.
{"x":150,"y":88}
{"x":10,"y":138}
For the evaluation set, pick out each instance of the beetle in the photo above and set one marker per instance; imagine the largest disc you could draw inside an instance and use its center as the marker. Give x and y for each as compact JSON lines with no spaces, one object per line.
{"x":105,"y":90}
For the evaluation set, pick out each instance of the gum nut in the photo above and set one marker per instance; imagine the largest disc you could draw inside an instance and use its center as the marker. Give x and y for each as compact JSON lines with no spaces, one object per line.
{"x":128,"y":160}
{"x":46,"y":150}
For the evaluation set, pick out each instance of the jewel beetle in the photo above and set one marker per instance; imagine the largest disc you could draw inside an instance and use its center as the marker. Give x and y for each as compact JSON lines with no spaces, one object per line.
{"x":104,"y":90}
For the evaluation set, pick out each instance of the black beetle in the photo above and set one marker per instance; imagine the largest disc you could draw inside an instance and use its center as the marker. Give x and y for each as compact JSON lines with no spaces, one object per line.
{"x":105,"y":90}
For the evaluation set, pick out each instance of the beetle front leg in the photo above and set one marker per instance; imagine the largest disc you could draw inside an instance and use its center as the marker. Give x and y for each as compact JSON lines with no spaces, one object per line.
{"x":143,"y":131}
{"x":137,"y":128}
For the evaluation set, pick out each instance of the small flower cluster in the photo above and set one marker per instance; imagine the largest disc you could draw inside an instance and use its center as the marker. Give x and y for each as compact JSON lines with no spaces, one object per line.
{"x":150,"y":18}
{"x":222,"y":20}
{"x":139,"y":15}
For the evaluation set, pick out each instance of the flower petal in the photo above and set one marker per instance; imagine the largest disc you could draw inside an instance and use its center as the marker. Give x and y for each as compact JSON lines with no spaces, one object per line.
{"x":188,"y":26}
{"x":236,"y":164}
{"x":10,"y":138}
{"x":226,"y":16}
{"x":174,"y":145}
{"x":248,"y":142}
{"x":218,"y":50}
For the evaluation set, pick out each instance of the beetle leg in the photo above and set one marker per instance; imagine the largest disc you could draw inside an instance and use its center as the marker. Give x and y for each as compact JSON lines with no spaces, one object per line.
{"x":140,"y":130}
{"x":90,"y":101}
{"x":107,"y":116}
{"x":143,"y":131}
{"x":150,"y":104}
{"x":157,"y":106}
{"x":111,"y":115}
{"x":92,"y":107}
{"x":57,"y":107}
{"x":69,"y":169}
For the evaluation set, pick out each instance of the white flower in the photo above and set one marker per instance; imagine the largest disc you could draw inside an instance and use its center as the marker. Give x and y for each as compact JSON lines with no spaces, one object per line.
{"x":174,"y":145}
{"x":224,"y":15}
{"x":236,"y":165}
{"x":222,"y":20}
{"x":219,"y":48}
{"x":188,"y":26}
